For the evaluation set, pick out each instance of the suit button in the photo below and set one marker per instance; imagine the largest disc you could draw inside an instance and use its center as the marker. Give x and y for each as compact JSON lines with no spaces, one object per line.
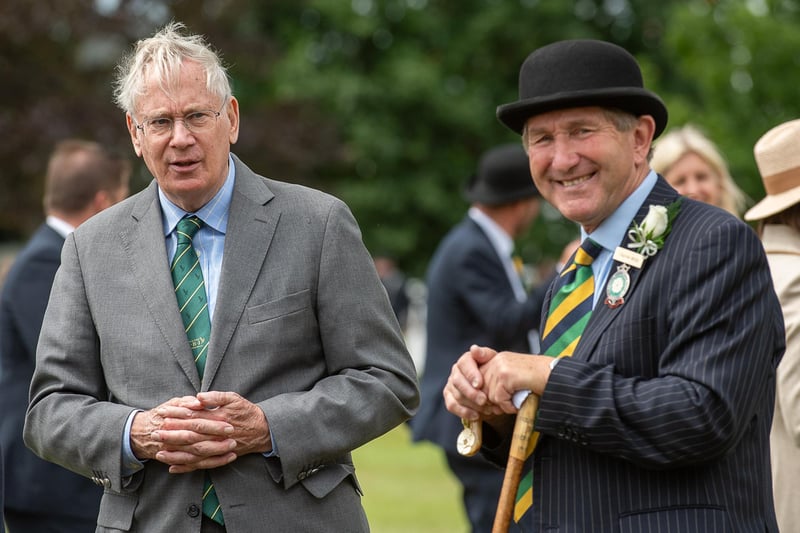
{"x":301,"y":476}
{"x":193,"y":511}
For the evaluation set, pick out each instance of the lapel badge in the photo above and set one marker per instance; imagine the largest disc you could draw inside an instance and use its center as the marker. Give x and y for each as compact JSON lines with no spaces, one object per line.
{"x":618,"y":286}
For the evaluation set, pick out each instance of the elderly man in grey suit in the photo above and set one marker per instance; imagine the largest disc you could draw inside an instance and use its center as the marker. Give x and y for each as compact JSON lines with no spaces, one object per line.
{"x":660,"y":341}
{"x":233,"y":405}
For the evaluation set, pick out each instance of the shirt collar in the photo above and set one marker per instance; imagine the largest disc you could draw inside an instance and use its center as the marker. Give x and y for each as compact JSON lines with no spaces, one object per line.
{"x":611,"y":231}
{"x":60,"y":226}
{"x":214,"y":214}
{"x":501,"y":240}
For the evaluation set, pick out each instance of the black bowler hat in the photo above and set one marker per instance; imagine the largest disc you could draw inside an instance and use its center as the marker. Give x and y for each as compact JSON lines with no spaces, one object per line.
{"x":580,"y":73}
{"x":503,"y":176}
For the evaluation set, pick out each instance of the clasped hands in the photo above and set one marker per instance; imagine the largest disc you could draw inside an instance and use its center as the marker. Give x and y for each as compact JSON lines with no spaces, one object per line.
{"x":204,"y":431}
{"x":483,"y":381}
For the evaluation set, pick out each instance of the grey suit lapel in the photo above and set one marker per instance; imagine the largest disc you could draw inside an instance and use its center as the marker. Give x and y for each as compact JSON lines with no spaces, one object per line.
{"x":251,"y":226}
{"x":603,"y":315}
{"x":143,"y":243}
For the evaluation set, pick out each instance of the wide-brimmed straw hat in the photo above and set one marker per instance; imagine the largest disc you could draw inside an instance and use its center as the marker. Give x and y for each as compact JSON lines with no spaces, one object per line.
{"x":581,"y":73}
{"x":778,"y":161}
{"x":503,"y":176}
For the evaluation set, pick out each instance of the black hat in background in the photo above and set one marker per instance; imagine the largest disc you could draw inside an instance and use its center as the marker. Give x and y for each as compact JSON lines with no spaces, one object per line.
{"x":581,"y":73}
{"x":503,"y":176}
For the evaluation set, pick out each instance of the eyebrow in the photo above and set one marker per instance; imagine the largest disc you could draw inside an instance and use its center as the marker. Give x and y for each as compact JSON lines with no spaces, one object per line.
{"x":569,"y":125}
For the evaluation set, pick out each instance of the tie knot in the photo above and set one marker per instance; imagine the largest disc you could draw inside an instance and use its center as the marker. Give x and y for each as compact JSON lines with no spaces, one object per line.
{"x":587,"y":252}
{"x":187,"y":227}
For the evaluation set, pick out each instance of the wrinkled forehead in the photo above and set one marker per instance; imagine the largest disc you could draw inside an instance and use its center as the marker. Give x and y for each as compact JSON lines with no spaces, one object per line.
{"x":180,"y":82}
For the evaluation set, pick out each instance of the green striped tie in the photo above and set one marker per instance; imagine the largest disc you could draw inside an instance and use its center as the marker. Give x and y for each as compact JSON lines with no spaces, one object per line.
{"x":570,"y":310}
{"x":190,"y":290}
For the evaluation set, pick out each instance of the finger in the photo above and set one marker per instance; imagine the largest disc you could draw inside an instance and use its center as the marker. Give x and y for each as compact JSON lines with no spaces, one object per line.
{"x":481,"y":354}
{"x":174,"y":411}
{"x":188,"y":402}
{"x":195,"y":452}
{"x":467,"y":366}
{"x":458,"y":409}
{"x":212,"y":399}
{"x":198,"y":425}
{"x":203,"y":464}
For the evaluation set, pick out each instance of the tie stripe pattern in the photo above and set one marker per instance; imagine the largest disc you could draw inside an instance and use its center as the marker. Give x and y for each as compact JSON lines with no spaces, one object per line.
{"x":570,"y":311}
{"x":190,"y":291}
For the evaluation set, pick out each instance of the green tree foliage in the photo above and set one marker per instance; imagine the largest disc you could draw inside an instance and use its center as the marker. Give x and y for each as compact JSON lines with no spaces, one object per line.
{"x":387,"y":103}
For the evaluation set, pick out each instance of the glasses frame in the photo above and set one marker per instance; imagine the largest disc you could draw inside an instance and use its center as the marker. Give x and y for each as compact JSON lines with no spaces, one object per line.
{"x":141,"y":126}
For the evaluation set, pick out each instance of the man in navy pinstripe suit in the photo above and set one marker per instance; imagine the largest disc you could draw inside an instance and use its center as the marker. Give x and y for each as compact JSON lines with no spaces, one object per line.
{"x":660,"y":419}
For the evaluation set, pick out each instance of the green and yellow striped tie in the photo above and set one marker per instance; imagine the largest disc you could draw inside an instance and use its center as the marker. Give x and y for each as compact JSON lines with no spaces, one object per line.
{"x":190,"y":291}
{"x":570,"y":310}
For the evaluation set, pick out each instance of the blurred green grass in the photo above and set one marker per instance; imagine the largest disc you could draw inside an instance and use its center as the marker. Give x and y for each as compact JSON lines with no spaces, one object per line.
{"x":407,"y":486}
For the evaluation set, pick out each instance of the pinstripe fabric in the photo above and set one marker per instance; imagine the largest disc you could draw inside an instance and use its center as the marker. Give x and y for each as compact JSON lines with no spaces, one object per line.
{"x":660,"y":419}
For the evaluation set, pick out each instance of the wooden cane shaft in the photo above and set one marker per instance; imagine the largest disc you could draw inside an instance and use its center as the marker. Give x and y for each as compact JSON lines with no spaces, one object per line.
{"x":523,"y":429}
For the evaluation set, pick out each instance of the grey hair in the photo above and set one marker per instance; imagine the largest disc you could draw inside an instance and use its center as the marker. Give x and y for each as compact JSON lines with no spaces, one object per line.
{"x":160,"y":57}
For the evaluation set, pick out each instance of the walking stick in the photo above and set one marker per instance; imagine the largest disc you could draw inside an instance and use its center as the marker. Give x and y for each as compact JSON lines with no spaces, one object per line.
{"x":523,"y":429}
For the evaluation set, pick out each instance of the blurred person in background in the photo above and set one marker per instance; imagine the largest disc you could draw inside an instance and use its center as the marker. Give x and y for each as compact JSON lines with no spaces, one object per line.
{"x":778,"y":161}
{"x":693,"y":165}
{"x":230,"y":343}
{"x":394,"y":281}
{"x":82,"y":179}
{"x":476,"y":296}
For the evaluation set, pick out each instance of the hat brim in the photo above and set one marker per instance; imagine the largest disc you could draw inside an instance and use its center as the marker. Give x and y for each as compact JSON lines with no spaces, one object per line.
{"x":480,"y":193}
{"x":633,"y":100}
{"x":773,"y":204}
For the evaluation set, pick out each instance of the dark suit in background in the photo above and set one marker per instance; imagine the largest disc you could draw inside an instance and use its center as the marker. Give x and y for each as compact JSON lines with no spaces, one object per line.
{"x":471,"y":301}
{"x":41,"y":496}
{"x":34,"y":486}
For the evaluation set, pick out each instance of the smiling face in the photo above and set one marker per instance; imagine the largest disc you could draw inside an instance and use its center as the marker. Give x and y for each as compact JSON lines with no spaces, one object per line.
{"x":583,"y":164}
{"x":692,"y":176}
{"x":190,"y":167}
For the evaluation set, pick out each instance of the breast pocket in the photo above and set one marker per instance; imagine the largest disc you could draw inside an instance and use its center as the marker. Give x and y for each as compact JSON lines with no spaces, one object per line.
{"x":292,"y":303}
{"x":288,"y":325}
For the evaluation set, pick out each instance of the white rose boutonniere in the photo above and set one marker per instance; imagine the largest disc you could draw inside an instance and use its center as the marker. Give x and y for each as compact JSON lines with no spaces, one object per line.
{"x":648,"y":237}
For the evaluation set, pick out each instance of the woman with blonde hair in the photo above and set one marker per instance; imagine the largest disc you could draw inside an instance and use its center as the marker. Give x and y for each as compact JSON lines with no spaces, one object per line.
{"x":693,"y":165}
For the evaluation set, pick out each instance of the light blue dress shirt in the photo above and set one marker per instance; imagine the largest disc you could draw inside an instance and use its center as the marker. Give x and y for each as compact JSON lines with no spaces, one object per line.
{"x":612,"y":231}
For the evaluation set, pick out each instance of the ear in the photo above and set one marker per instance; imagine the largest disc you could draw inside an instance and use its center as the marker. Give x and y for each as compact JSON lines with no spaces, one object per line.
{"x":232,"y":110}
{"x":137,"y":147}
{"x":643,"y":138}
{"x":100,"y":201}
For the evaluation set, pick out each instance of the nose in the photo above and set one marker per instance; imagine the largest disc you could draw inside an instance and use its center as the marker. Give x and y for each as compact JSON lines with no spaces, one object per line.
{"x":691,"y":187}
{"x":180,"y":134}
{"x":564,"y":156}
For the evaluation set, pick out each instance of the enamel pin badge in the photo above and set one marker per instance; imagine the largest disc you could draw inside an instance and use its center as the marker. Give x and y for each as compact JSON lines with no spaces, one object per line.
{"x":620,"y":281}
{"x":618,"y":286}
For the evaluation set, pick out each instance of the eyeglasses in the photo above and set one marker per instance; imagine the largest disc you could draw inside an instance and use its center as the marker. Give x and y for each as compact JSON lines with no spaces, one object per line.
{"x":195,"y":122}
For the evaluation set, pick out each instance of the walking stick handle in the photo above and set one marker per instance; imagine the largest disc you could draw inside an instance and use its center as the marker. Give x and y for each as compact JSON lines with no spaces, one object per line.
{"x":523,"y":429}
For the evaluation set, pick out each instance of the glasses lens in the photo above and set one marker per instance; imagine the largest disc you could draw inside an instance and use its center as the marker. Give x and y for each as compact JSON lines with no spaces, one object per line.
{"x":195,"y":122}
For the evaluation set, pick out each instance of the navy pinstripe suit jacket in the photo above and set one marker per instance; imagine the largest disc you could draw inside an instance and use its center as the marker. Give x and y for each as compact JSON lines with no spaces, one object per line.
{"x":660,"y":421}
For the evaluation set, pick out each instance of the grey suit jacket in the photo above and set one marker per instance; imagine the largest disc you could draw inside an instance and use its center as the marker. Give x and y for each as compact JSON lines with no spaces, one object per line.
{"x":660,"y":420}
{"x":302,"y":327}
